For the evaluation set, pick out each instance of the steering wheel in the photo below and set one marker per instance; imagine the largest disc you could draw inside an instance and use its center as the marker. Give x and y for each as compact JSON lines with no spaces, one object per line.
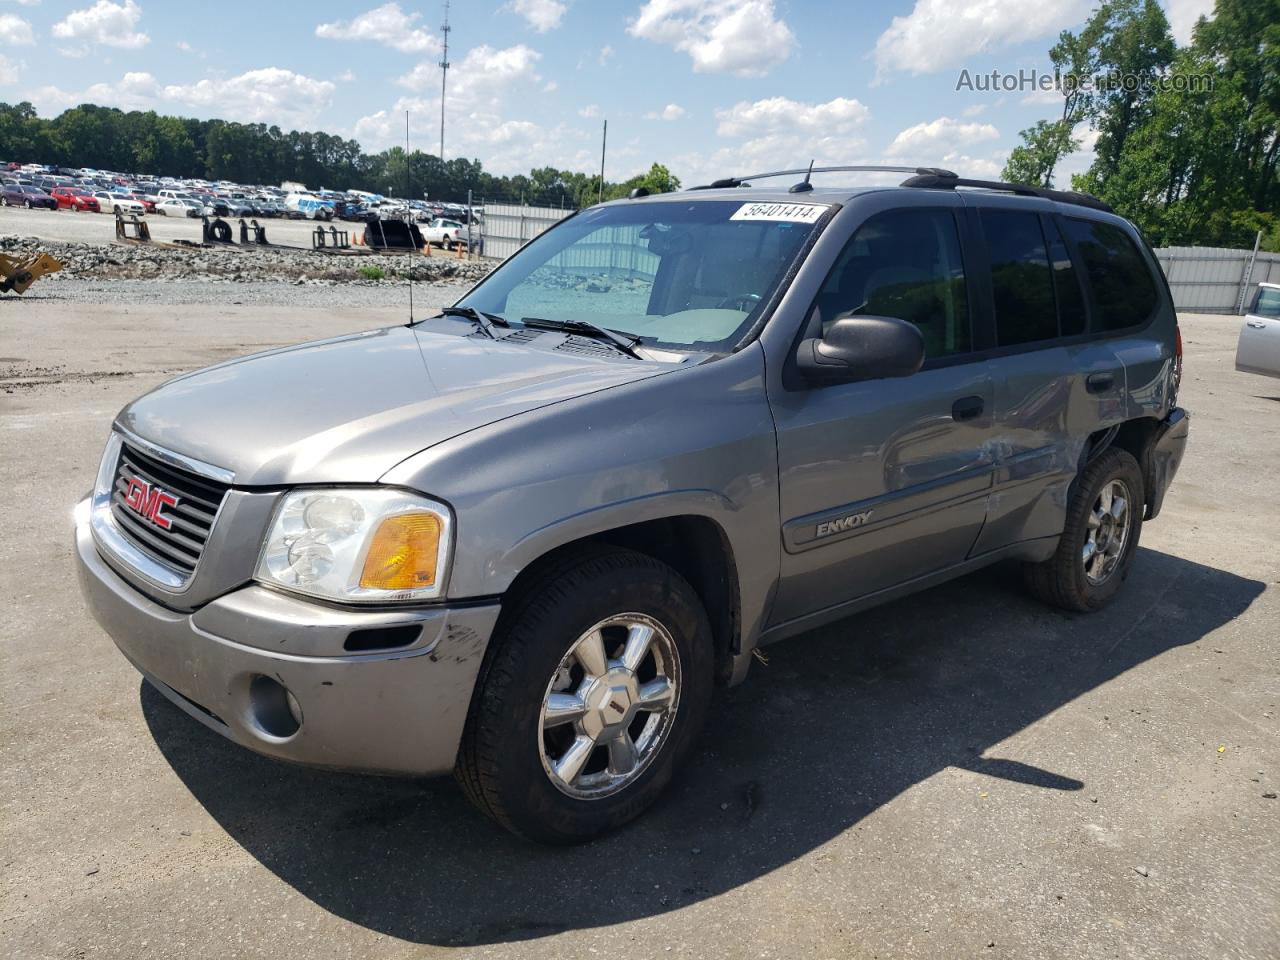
{"x":746,"y":302}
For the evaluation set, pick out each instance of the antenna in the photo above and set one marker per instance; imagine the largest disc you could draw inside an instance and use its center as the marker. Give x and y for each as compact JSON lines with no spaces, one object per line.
{"x":804,"y":186}
{"x":444,"y":73}
{"x":604,"y":139}
{"x":408,"y":212}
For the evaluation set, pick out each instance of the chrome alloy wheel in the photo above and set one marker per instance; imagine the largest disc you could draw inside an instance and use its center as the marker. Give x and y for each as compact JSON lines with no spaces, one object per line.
{"x":609,"y":706}
{"x":1109,"y":524}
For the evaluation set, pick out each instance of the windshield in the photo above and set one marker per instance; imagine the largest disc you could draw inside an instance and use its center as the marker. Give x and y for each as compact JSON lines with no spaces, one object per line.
{"x":687,"y":275}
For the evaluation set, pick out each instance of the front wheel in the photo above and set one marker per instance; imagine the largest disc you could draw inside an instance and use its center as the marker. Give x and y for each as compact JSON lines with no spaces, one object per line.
{"x":28,"y":204}
{"x":596,"y":687}
{"x":1104,"y":522}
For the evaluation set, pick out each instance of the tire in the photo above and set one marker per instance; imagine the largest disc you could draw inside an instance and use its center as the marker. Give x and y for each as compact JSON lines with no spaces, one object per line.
{"x":116,"y":209}
{"x":505,"y":761}
{"x":28,"y":204}
{"x":1063,"y":580}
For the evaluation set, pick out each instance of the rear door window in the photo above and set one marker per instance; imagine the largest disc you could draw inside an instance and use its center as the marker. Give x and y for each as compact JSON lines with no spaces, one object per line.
{"x":1120,"y":282}
{"x":1022,"y":280}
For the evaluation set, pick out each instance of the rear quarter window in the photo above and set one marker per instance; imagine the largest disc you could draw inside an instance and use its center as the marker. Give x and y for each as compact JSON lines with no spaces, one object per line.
{"x":1121,"y":287}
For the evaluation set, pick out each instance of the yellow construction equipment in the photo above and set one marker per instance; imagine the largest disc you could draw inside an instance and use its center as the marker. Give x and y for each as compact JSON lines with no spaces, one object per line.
{"x":17,"y":275}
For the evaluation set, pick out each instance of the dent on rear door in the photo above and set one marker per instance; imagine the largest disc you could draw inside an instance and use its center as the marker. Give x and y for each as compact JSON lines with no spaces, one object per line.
{"x":1046,"y":411}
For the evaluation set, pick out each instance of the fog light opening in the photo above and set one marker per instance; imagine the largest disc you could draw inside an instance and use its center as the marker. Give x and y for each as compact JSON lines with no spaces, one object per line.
{"x":275,"y":709}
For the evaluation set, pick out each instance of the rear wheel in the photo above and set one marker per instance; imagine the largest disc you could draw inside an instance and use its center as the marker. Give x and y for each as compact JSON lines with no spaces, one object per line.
{"x":595,"y":690}
{"x":1104,"y":522}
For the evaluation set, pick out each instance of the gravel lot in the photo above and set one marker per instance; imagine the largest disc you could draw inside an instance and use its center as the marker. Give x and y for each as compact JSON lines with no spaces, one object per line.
{"x":960,"y":774}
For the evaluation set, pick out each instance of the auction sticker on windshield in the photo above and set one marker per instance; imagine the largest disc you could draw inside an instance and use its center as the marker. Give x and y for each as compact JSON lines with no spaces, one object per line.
{"x":790,"y":212}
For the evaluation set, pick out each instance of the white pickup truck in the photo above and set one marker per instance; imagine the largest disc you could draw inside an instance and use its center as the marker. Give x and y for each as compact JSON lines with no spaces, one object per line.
{"x":444,"y":232}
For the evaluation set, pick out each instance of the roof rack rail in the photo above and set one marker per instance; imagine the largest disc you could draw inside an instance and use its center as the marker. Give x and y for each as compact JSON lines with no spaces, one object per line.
{"x":941,"y":180}
{"x":739,"y":181}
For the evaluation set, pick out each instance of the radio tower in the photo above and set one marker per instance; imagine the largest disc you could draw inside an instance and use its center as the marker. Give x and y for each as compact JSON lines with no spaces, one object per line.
{"x":444,"y":74}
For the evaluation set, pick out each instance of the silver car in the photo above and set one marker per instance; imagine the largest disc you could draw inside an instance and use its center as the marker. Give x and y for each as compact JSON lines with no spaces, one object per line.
{"x":1258,"y":349}
{"x":524,"y":539}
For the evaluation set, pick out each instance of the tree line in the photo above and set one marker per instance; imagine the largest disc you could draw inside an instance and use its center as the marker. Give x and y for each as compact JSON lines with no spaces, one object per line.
{"x":146,"y":142}
{"x":1187,"y":138}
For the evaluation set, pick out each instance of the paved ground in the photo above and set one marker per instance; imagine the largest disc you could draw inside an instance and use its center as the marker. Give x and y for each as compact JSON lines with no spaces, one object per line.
{"x":101,"y":227}
{"x":961,"y":774}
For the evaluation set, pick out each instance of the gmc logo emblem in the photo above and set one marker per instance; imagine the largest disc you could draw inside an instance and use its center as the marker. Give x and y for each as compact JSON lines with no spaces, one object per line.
{"x":148,"y":501}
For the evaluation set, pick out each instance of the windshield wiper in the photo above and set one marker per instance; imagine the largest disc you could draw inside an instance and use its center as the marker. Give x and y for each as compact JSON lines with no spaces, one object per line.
{"x":485,"y":321}
{"x":626,"y":344}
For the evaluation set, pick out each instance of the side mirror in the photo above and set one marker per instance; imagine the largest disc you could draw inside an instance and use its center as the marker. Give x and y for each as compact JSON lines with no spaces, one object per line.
{"x":862,"y":348}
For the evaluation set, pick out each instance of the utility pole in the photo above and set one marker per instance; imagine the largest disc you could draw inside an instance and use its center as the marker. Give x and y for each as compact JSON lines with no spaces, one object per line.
{"x":604,"y":139}
{"x":444,"y":74}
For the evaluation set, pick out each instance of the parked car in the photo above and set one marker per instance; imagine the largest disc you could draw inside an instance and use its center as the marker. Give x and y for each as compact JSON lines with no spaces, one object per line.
{"x":215,"y":207}
{"x":21,"y":195}
{"x":119,"y":203}
{"x":444,"y":233}
{"x":578,"y":499}
{"x":173,"y":207}
{"x":72,"y":198}
{"x":148,"y":204}
{"x":305,"y":206}
{"x":1258,"y":349}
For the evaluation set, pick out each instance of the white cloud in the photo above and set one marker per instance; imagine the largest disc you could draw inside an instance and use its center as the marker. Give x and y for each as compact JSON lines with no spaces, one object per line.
{"x":938,"y":34}
{"x":9,"y":71}
{"x":590,"y":111}
{"x":742,"y":36}
{"x":15,"y":31}
{"x":106,"y":23}
{"x":606,"y":53}
{"x":672,"y":111}
{"x":1081,"y":160}
{"x":1183,"y":15}
{"x":268,"y":95}
{"x":387,"y":24}
{"x":135,"y":91}
{"x":780,"y":133}
{"x":484,"y":77}
{"x":973,"y":110}
{"x":489,"y":83}
{"x":542,"y":15}
{"x":926,"y":141}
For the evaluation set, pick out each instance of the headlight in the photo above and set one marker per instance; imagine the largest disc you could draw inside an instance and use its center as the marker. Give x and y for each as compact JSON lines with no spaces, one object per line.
{"x":361,"y":545}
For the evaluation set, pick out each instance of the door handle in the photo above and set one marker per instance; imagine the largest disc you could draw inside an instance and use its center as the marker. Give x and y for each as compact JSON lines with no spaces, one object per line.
{"x":966,"y":408}
{"x":1099,"y":382}
{"x":1256,"y":324}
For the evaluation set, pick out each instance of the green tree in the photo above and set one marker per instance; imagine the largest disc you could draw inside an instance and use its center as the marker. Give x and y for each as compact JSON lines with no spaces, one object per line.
{"x":1043,"y":146}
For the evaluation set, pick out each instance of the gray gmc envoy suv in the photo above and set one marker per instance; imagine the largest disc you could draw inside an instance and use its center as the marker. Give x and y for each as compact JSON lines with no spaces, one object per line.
{"x":524,"y":539}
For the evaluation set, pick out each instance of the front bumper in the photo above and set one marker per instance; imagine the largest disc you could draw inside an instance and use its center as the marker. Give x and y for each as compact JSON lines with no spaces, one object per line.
{"x":399,"y":711}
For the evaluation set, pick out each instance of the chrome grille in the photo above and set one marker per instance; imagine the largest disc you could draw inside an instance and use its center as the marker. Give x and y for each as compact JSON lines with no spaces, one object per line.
{"x":190,"y":520}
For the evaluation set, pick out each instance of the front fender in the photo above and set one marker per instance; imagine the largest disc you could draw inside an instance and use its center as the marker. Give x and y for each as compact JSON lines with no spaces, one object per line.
{"x":693,"y":442}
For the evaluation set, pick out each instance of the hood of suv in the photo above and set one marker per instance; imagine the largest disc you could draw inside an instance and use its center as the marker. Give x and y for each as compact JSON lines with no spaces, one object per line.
{"x":347,"y":410}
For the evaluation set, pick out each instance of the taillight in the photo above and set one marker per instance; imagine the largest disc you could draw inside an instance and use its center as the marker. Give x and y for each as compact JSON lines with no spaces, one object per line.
{"x":1176,"y":378}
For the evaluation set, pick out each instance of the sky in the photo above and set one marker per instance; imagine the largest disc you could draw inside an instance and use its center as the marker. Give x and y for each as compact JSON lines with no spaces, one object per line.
{"x":709,"y":88}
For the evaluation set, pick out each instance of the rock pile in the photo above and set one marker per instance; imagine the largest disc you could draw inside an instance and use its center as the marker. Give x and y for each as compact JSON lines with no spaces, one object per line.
{"x":141,"y":262}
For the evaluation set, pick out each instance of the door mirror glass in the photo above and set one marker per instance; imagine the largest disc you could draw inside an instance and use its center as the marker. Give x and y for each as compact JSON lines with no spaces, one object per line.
{"x":862,"y":348}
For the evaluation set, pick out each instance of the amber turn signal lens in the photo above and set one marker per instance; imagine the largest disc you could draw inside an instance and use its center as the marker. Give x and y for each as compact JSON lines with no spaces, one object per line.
{"x":403,"y":553}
